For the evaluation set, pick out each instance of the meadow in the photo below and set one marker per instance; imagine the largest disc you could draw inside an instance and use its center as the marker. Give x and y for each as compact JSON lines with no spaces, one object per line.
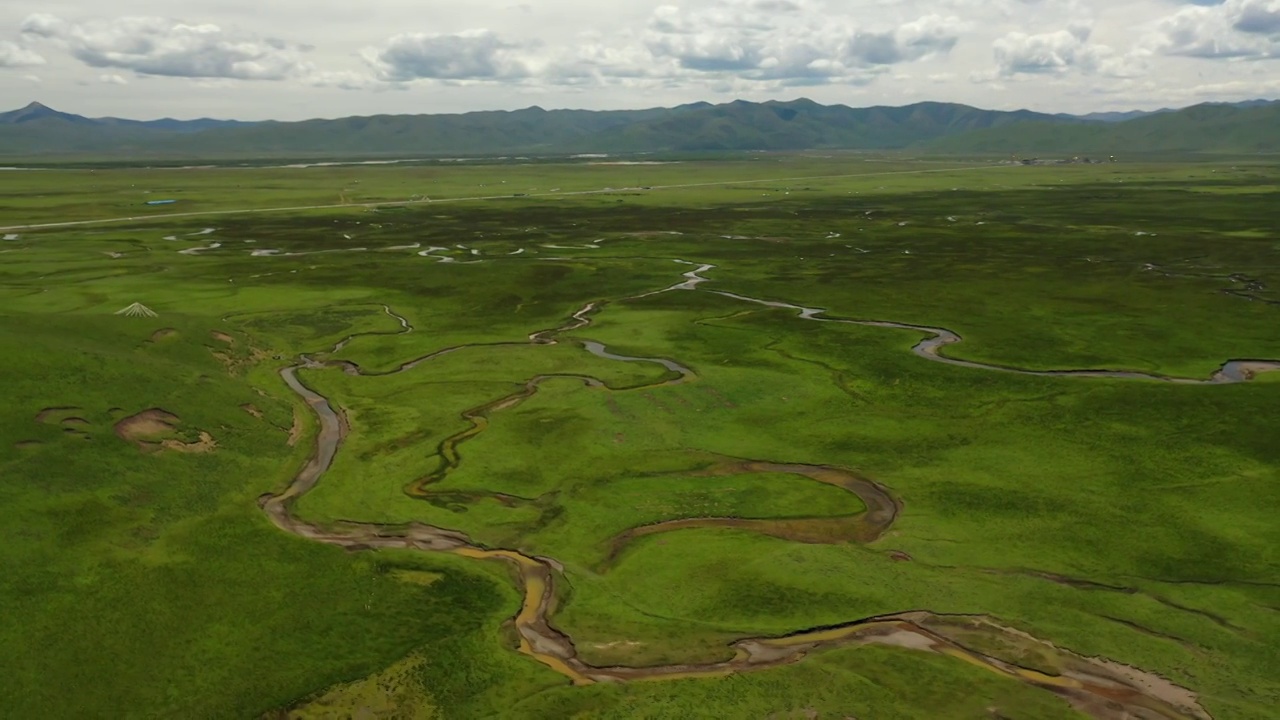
{"x":718,"y":485}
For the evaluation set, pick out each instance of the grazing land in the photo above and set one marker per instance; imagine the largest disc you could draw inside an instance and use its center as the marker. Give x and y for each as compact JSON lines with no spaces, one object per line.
{"x":785,"y":436}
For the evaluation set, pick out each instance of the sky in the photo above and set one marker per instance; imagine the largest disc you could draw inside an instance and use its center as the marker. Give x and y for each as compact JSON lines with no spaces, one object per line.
{"x":296,"y":59}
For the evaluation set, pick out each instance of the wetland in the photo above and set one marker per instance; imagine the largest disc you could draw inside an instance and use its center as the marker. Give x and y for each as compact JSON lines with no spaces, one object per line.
{"x":752,"y":464}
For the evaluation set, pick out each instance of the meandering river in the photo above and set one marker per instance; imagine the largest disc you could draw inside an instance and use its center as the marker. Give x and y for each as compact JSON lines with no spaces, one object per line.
{"x":1098,"y":687}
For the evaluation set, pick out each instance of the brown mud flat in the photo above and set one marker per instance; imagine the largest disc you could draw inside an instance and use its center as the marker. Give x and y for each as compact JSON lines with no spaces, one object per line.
{"x":147,"y":426}
{"x":233,"y":357}
{"x":152,"y":430}
{"x":1101,"y":688}
{"x":234,"y":363}
{"x":206,"y":444}
{"x":162,"y":334}
{"x":252,"y":410}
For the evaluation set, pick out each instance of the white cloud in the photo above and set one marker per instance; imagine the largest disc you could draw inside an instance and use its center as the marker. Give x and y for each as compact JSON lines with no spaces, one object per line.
{"x":157,"y":46}
{"x":789,"y":41}
{"x":644,"y":53}
{"x":112,"y":79}
{"x":1245,"y":29}
{"x":1061,"y":52}
{"x":470,"y":55}
{"x":14,"y":56}
{"x":767,"y":44}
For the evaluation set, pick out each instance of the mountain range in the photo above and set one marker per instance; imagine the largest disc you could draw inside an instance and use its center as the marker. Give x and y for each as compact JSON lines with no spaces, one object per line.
{"x":40,"y":132}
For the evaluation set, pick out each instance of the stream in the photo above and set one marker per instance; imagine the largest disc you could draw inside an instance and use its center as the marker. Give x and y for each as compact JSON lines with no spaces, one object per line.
{"x":1098,"y":687}
{"x":1232,"y":371}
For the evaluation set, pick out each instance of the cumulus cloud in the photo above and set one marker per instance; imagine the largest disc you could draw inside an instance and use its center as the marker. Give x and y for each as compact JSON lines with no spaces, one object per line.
{"x":771,"y":43}
{"x":1068,"y":53}
{"x":470,"y":55}
{"x":1248,"y":29}
{"x":1059,"y":53}
{"x":789,"y":40}
{"x":1260,"y":17}
{"x":14,"y":56}
{"x":158,"y":46}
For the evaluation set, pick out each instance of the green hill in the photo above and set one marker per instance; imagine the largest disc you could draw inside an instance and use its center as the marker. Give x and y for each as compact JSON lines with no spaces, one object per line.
{"x":804,"y":124}
{"x":1201,"y":128}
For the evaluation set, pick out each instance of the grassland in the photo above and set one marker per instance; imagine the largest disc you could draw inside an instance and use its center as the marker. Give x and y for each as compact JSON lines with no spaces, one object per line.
{"x":1129,"y":520}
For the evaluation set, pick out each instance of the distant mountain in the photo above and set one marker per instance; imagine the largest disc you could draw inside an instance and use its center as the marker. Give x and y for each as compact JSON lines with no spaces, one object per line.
{"x":35,"y":112}
{"x":803,"y":124}
{"x":1135,"y":114}
{"x":1112,"y":117}
{"x":740,"y":125}
{"x":1211,"y":127}
{"x":39,"y":131}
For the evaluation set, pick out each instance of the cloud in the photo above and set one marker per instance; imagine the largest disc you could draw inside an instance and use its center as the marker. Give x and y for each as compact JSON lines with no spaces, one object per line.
{"x":788,"y":40}
{"x":1061,"y":52}
{"x":158,"y":46}
{"x":1256,"y":16}
{"x":15,"y":56}
{"x":1243,"y":29}
{"x":112,"y":79}
{"x":470,"y":55}
{"x":592,"y":60}
{"x":483,"y":56}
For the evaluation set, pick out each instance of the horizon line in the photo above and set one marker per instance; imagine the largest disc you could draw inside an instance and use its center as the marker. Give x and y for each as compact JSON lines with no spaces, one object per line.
{"x":654,"y":107}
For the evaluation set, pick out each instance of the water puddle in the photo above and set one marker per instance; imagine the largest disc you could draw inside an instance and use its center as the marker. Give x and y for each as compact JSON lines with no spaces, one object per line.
{"x":432,"y":251}
{"x":197,"y":251}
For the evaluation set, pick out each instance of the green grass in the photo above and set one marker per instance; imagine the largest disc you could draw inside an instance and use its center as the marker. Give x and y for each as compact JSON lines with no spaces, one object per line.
{"x":1128,"y":520}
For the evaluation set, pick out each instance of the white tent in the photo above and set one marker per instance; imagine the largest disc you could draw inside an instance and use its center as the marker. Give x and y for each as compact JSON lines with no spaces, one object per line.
{"x":137,"y":310}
